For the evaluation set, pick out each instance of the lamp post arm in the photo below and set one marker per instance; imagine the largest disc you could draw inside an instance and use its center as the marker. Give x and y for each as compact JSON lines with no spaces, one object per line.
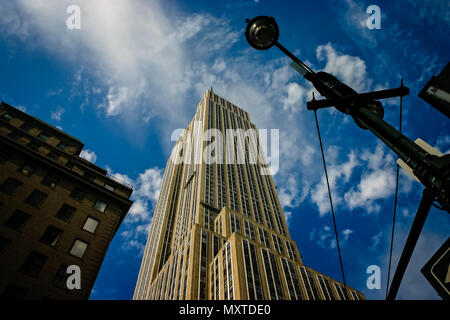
{"x":424,"y":165}
{"x":307,"y":73}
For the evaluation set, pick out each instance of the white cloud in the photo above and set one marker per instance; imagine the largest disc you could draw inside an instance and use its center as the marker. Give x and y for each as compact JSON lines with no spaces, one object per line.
{"x":346,"y":234}
{"x":219,"y":65}
{"x":376,"y":183}
{"x":325,"y":237}
{"x":145,"y":65}
{"x":287,"y":216}
{"x":375,"y":241}
{"x":57,"y":114}
{"x":145,"y":195}
{"x":89,"y":155}
{"x":22,"y":108}
{"x":290,"y":195}
{"x":131,"y":48}
{"x":337,"y":173}
{"x":349,"y":69}
{"x":443,"y":144}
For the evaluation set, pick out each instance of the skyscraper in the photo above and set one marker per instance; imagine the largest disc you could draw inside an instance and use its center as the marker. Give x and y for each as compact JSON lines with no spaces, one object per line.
{"x":57,"y":210}
{"x":218,"y":229}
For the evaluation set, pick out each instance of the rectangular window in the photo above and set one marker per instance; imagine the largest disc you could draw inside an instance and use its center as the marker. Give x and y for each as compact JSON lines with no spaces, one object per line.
{"x":17,"y":220}
{"x":323,"y":287}
{"x":100,"y":205}
{"x":340,"y":291}
{"x":33,"y":264}
{"x":79,"y":248}
{"x":60,"y":279}
{"x":36,"y":198}
{"x":62,"y":146}
{"x":109,"y":187}
{"x":89,"y":176}
{"x":14,"y":135}
{"x":90,"y":225}
{"x":65,"y":213}
{"x":78,"y":194}
{"x":269,"y":275}
{"x":43,"y":136}
{"x":53,"y":155}
{"x":7,"y":116}
{"x":10,"y":186}
{"x":330,"y":291}
{"x":34,"y":145}
{"x":50,"y":181}
{"x":355,"y":296}
{"x":26,"y":127}
{"x":51,"y":236}
{"x":310,"y":284}
{"x":27,"y":170}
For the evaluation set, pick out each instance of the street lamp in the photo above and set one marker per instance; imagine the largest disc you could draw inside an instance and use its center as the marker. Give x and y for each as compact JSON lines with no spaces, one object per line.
{"x":433,"y":172}
{"x":262,"y":33}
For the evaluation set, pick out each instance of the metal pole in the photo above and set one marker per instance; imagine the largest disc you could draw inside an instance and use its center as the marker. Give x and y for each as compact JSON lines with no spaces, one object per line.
{"x":360,"y":97}
{"x":413,"y":236}
{"x":414,"y":156}
{"x":309,"y":74}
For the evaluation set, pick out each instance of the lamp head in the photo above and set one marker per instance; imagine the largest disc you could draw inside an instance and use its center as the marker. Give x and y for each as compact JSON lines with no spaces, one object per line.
{"x":262,"y":32}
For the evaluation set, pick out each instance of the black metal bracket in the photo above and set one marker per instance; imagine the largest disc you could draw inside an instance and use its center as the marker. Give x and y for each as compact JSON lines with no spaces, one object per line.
{"x":361,"y":97}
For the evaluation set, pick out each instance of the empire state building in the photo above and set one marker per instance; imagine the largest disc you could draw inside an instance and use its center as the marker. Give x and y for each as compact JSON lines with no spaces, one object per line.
{"x":218,"y":230}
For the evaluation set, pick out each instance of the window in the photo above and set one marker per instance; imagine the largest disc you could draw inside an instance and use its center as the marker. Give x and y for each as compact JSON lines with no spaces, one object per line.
{"x":33,"y":264}
{"x":109,"y":187}
{"x":90,"y":225}
{"x":50,"y":181}
{"x":43,"y":136}
{"x":36,"y":198}
{"x":60,"y":279}
{"x":27,"y":170}
{"x":17,"y":220}
{"x":69,"y":164}
{"x":62,"y":145}
{"x":53,"y":155}
{"x":34,"y":145}
{"x":78,"y":194}
{"x":14,"y":292}
{"x":89,"y":176}
{"x":65,"y":213}
{"x":3,"y":243}
{"x":14,"y":135}
{"x":26,"y":127}
{"x":7,"y":116}
{"x":100,"y":205}
{"x":79,"y":247}
{"x":10,"y":186}
{"x":51,"y":236}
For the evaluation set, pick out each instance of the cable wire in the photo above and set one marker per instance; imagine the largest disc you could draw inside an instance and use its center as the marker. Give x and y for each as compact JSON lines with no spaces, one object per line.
{"x":331,"y":203}
{"x":395,"y":201}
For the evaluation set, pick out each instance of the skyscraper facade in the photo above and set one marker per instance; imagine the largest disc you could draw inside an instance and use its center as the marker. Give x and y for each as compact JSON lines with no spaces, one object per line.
{"x":58,"y":211}
{"x":218,"y":229}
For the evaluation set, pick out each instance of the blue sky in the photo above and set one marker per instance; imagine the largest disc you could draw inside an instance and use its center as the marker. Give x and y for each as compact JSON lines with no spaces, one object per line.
{"x":136,"y":71}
